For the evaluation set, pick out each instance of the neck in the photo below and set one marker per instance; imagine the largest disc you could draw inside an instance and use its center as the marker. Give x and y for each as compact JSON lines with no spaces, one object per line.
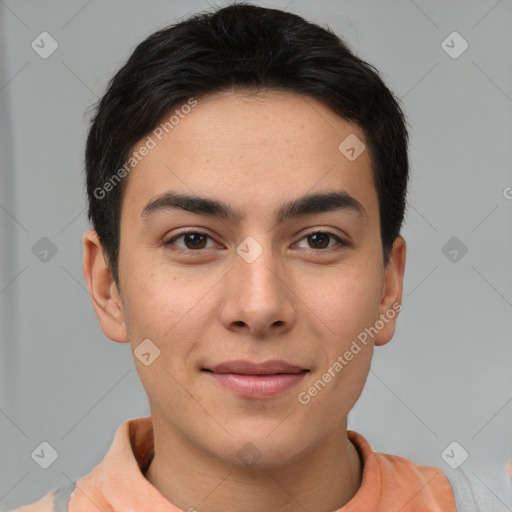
{"x":324,"y":480}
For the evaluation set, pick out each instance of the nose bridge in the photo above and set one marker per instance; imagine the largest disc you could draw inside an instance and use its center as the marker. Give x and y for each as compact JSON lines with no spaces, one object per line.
{"x":259,"y":296}
{"x":257,"y":267}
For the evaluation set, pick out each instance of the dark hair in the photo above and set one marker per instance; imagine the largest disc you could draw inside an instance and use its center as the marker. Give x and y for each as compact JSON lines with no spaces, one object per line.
{"x":245,"y":47}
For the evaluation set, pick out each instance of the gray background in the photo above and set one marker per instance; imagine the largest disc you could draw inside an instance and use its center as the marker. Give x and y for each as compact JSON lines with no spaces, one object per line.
{"x":445,"y":377}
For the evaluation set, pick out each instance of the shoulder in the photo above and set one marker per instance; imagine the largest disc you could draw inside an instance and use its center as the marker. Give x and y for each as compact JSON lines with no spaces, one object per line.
{"x":402,"y":484}
{"x":428,"y":482}
{"x":480,"y":488}
{"x":473,"y":490}
{"x":55,"y":501}
{"x":395,"y":470}
{"x":45,"y":504}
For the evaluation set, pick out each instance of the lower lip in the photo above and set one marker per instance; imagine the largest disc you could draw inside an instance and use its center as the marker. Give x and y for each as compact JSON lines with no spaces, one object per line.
{"x":258,"y":386}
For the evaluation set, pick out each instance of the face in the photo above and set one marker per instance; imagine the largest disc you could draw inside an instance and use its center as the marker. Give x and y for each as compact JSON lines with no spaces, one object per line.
{"x":251,"y":310}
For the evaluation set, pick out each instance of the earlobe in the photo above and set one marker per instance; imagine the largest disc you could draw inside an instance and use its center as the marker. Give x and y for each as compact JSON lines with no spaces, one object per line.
{"x":391,"y":302}
{"x":102,"y":289}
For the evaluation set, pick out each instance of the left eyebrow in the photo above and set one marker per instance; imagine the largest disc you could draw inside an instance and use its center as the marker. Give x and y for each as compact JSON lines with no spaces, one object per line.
{"x":305,"y":205}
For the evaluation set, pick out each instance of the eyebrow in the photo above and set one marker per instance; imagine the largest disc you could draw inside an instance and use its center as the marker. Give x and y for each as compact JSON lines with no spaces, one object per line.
{"x":307,"y":204}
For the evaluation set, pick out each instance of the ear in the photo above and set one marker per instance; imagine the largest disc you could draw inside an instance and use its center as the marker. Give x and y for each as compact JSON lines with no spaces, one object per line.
{"x":391,"y":302}
{"x":102,"y":289}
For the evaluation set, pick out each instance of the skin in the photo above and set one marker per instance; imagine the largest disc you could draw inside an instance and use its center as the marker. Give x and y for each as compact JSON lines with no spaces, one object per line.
{"x":295,"y":302}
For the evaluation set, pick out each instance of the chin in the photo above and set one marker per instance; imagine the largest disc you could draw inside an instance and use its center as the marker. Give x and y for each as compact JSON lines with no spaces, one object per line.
{"x":260,"y":450}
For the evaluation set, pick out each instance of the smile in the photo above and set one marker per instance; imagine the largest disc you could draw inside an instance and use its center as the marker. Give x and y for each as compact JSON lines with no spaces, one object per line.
{"x":256,"y":380}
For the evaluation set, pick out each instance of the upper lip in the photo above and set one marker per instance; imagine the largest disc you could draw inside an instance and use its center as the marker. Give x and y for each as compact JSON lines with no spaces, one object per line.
{"x":249,"y":368}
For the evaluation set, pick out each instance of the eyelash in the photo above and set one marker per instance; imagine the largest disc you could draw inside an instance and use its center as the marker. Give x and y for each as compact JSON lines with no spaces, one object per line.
{"x":342,"y":243}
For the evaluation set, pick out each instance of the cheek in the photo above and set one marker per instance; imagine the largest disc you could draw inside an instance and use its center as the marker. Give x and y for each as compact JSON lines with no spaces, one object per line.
{"x":351,"y":305}
{"x":335,"y":390}
{"x":160,"y":307}
{"x":165,"y":305}
{"x":345,"y":301}
{"x":152,"y":299}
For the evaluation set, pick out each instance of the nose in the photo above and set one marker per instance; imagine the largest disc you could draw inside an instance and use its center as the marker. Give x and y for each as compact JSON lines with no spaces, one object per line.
{"x":258,"y":297}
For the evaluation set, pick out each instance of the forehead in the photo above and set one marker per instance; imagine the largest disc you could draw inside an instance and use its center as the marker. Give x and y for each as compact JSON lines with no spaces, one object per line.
{"x":251,"y":149}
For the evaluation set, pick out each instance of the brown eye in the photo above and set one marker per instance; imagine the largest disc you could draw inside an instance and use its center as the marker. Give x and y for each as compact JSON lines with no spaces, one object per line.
{"x":321,"y":239}
{"x":193,"y":240}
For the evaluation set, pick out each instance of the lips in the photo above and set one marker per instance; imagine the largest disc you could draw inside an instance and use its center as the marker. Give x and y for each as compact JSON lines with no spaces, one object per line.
{"x":252,"y":380}
{"x":250,"y":368}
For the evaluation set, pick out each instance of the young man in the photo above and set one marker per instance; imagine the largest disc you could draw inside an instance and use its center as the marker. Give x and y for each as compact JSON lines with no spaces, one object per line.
{"x":247,"y":178}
